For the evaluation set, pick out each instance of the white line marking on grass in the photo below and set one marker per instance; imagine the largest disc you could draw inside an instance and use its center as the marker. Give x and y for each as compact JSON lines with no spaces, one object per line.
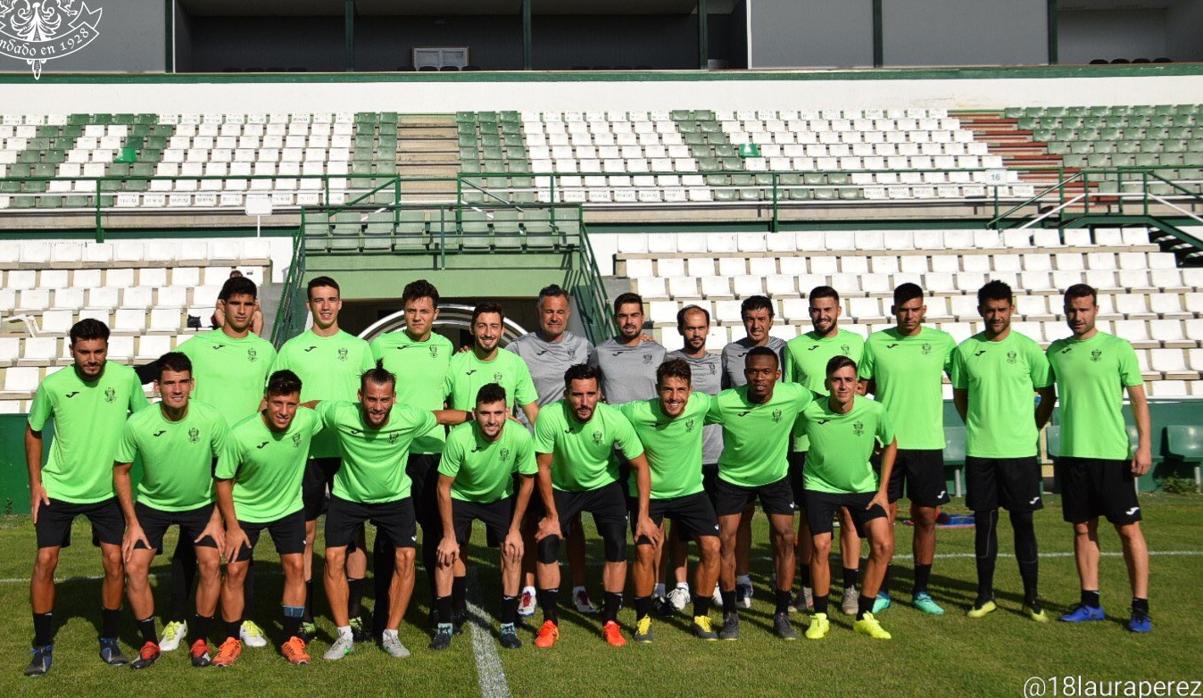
{"x":479,"y":613}
{"x":489,"y":671}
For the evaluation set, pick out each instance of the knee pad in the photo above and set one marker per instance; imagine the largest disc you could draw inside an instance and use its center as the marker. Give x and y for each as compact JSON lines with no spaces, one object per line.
{"x":614,"y":536}
{"x":549,"y":550}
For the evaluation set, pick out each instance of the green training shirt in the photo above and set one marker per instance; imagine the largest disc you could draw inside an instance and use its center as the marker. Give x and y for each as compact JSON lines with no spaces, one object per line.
{"x":88,"y":419}
{"x":421,"y":370}
{"x":177,"y":457}
{"x":806,"y":358}
{"x":583,"y":453}
{"x":468,"y":374}
{"x":673,"y":445}
{"x":756,"y":436}
{"x":841,"y":445}
{"x":230,"y":373}
{"x":373,"y":468}
{"x":908,"y":372}
{"x":330,"y":368}
{"x":484,"y":470}
{"x":1001,"y":378}
{"x":267,"y":467}
{"x":1091,"y":376}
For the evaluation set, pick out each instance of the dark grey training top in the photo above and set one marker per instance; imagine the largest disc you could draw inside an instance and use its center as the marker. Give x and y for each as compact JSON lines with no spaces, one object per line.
{"x":547,"y":361}
{"x":733,"y":359}
{"x":628,"y":373}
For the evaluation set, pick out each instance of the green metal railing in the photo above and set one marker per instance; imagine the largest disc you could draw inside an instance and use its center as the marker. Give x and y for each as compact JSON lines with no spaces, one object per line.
{"x":290,"y":314}
{"x":589,"y":291}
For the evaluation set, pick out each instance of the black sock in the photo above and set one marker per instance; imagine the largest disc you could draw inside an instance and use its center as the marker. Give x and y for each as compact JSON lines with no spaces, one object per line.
{"x":884,"y":589}
{"x":804,"y":575}
{"x":783,"y":599}
{"x":509,"y":610}
{"x":1139,"y":606}
{"x":922,"y":577}
{"x":110,"y":621}
{"x":850,"y":575}
{"x":701,"y":605}
{"x":864,"y":604}
{"x":198,"y":627}
{"x":292,"y":620}
{"x":1026,"y":554}
{"x":442,"y":609}
{"x":43,"y":630}
{"x":459,"y":594}
{"x":382,"y":576}
{"x":613,"y":602}
{"x":234,"y":628}
{"x":729,"y":602}
{"x":985,"y":546}
{"x":643,"y":604}
{"x":308,"y":617}
{"x":1091,"y":599}
{"x":547,"y":602}
{"x":146,"y":627}
{"x":183,"y":579}
{"x":820,"y":601}
{"x":355,"y":588}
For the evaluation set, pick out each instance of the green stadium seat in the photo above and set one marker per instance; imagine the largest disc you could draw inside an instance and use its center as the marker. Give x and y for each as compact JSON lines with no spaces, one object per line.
{"x":1185,"y":441}
{"x":954,"y":456}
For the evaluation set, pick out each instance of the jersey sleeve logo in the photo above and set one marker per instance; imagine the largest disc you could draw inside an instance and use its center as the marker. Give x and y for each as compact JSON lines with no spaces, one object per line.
{"x":252,"y":355}
{"x":1096,"y":354}
{"x":979,"y":352}
{"x":858,"y":428}
{"x":469,"y":372}
{"x":342,"y":354}
{"x":159,"y":433}
{"x":72,"y":394}
{"x":193,"y":435}
{"x":310,"y":348}
{"x":777,"y":415}
{"x":262,"y":445}
{"x":110,"y":395}
{"x":891,"y":345}
{"x":296,"y":439}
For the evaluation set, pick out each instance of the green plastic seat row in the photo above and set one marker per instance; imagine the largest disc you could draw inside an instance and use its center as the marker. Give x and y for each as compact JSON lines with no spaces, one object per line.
{"x":691,"y":115}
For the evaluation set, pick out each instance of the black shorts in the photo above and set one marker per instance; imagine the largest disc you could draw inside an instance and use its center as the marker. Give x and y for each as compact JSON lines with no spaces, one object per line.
{"x":54,"y":522}
{"x":1012,"y":483}
{"x":317,"y":484}
{"x":821,"y":508}
{"x":797,"y":466}
{"x":776,"y":498}
{"x":423,"y":472}
{"x":709,"y":477}
{"x":608,"y":505}
{"x":155,"y":523}
{"x":1094,"y":487}
{"x":922,"y":473}
{"x":496,"y":517}
{"x":692,"y":516}
{"x":288,"y":533}
{"x":394,"y":521}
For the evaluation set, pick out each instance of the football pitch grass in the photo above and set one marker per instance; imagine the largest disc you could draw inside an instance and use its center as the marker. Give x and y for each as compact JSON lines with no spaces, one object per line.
{"x":949,"y":655}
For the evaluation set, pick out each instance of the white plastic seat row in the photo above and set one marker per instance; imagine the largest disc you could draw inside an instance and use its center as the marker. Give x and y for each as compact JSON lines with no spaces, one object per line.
{"x":284,"y":198}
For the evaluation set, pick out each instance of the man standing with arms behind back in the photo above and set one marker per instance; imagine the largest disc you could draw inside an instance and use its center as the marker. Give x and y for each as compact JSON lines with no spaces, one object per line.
{"x":89,"y":402}
{"x":994,"y":376}
{"x":1095,"y":463}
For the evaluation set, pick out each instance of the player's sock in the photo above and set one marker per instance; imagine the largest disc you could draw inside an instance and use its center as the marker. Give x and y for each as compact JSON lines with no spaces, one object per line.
{"x":547,"y":602}
{"x":1091,"y":599}
{"x":884,"y":589}
{"x":820,"y":603}
{"x":146,"y":627}
{"x":110,"y":621}
{"x":355,"y":588}
{"x":613,"y":602}
{"x":701,"y":605}
{"x":658,"y":590}
{"x":442,"y":609}
{"x":864,"y":604}
{"x":804,"y":575}
{"x":234,"y":628}
{"x":292,"y":620}
{"x":783,"y":597}
{"x":198,"y":627}
{"x":728,"y":601}
{"x":1139,"y":605}
{"x":43,"y":629}
{"x":850,"y":575}
{"x":1026,"y":554}
{"x":459,"y":595}
{"x":509,"y":610}
{"x":183,"y":578}
{"x":308,"y":617}
{"x":643,"y":604}
{"x":922,"y":577}
{"x":985,"y":545}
